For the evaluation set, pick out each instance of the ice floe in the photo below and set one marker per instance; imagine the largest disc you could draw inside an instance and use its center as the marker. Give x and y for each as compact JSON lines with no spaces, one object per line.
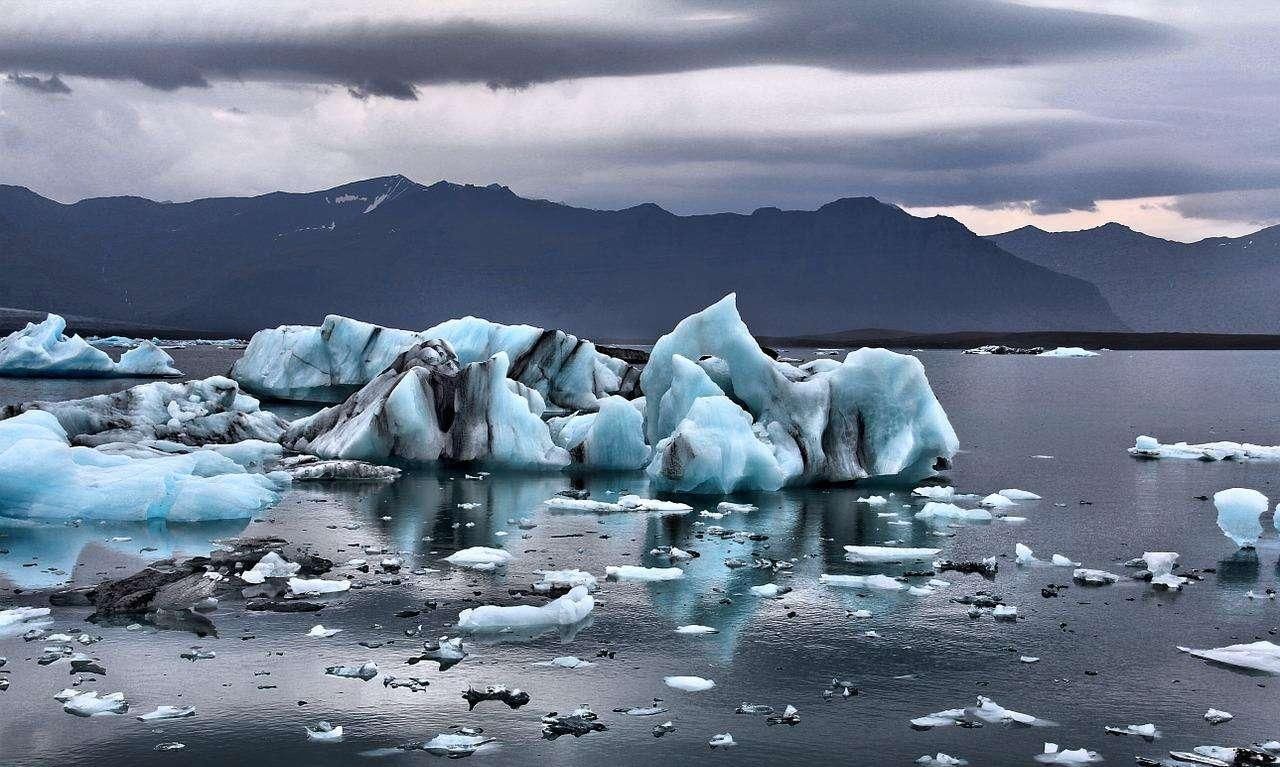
{"x":1150,"y":447}
{"x":1255,"y":656}
{"x":479,"y":558}
{"x":877,"y":582}
{"x":564,"y":611}
{"x":638,"y":573}
{"x":888,"y":553}
{"x":688,"y":683}
{"x":938,"y":513}
{"x":43,"y":477}
{"x":1053,"y":754}
{"x":1067,"y":351}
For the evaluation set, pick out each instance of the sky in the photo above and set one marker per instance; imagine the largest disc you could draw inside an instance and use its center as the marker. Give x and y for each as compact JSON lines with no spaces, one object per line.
{"x":1066,"y":114}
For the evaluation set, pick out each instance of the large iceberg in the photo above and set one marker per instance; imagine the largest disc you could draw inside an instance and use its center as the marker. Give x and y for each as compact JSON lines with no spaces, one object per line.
{"x":1238,"y":511}
{"x":330,"y":362}
{"x":42,"y":476}
{"x":44,"y":350}
{"x":871,"y":415}
{"x":213,"y":410}
{"x":426,"y":407}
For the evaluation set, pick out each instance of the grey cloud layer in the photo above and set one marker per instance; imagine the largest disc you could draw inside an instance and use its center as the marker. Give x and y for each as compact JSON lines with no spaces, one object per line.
{"x":383,"y":59}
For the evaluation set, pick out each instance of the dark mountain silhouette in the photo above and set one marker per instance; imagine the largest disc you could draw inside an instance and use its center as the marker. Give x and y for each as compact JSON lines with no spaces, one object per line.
{"x":400,"y":253}
{"x":1220,"y":284}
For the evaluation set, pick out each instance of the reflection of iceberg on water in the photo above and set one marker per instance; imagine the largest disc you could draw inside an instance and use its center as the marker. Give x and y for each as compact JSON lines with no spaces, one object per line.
{"x":56,"y":548}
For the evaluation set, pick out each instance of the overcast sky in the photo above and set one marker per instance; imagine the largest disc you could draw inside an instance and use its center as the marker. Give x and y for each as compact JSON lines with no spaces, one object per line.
{"x":1161,"y":114}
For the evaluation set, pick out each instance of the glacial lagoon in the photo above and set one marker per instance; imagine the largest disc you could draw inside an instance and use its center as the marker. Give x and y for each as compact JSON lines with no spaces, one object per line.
{"x":1057,"y":427}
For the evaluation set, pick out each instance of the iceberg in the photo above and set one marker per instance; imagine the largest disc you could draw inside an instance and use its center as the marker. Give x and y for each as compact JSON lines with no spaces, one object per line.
{"x":19,"y":620}
{"x":688,"y":683}
{"x":42,"y":476}
{"x":1255,"y":656}
{"x":1067,"y":351}
{"x":610,"y":438}
{"x":1238,"y":512}
{"x":1161,"y":564}
{"x":1150,"y":447}
{"x":873,"y":414}
{"x":563,"y":580}
{"x":330,"y":362}
{"x":565,"y":611}
{"x":193,"y":413}
{"x":424,"y":407}
{"x":1054,"y":755}
{"x":1015,"y":494}
{"x":44,"y":350}
{"x":888,"y":554}
{"x":995,"y":501}
{"x":91,"y":703}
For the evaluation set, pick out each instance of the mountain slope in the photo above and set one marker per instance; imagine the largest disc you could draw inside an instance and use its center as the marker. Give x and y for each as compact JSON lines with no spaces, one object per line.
{"x":396,"y":252}
{"x":1220,"y":284}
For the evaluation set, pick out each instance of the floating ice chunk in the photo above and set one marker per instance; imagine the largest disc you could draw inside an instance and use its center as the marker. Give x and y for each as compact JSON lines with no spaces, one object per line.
{"x":320,"y":631}
{"x":1014,"y":494}
{"x":1238,"y":512}
{"x":940,"y":760}
{"x":637,"y":573}
{"x":1023,"y":555}
{"x":581,"y":504}
{"x":18,"y":620}
{"x":1215,"y":716}
{"x":724,"y":507}
{"x":611,"y":438}
{"x":272,"y":565}
{"x":636,"y":503}
{"x":567,"y":610}
{"x":871,"y":415}
{"x":695,"y":629}
{"x":1161,"y":564}
{"x":555,"y":580}
{"x":43,"y":477}
{"x":688,"y":683}
{"x":364,"y":672}
{"x":715,"y":450}
{"x":146,"y":360}
{"x":1150,"y":447}
{"x":877,"y":582}
{"x":1256,"y":656}
{"x":1147,"y":731}
{"x":1067,"y":351}
{"x":324,"y":732}
{"x":872,"y":500}
{"x":1059,"y":560}
{"x":168,"y":712}
{"x":934,"y":492}
{"x":479,"y":558}
{"x":986,"y":710}
{"x":888,"y":554}
{"x":44,"y":350}
{"x":920,"y":591}
{"x":943,"y":513}
{"x":1088,"y":577}
{"x":92,"y":704}
{"x":566,"y":661}
{"x":1004,"y":613}
{"x":723,"y":740}
{"x":995,"y":501}
{"x":304,"y":587}
{"x":1055,"y":755}
{"x":768,"y":590}
{"x":455,"y":745}
{"x":1028,"y":659}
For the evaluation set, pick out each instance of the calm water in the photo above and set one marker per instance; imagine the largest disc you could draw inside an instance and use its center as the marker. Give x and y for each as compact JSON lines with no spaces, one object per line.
{"x":929,"y":655}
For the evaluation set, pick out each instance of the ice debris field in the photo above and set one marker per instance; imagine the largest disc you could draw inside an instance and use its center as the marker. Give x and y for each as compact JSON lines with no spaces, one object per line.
{"x":696,"y":434}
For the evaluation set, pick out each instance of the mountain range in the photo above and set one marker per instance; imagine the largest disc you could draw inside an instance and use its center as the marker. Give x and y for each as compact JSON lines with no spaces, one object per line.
{"x":1218,"y":285}
{"x":396,"y":252}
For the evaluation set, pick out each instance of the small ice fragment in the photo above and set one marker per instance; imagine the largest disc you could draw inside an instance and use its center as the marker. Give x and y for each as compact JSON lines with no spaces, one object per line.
{"x":637,"y":573}
{"x":995,"y":501}
{"x":1215,"y":716}
{"x":315,"y":586}
{"x":694,"y":628}
{"x":566,"y":661}
{"x":724,"y":740}
{"x":324,"y":732}
{"x":364,"y":672}
{"x":92,"y":704}
{"x":168,"y":712}
{"x":1014,"y":494}
{"x":1055,"y":755}
{"x":1004,"y":613}
{"x":888,"y":554}
{"x":940,"y":760}
{"x":688,"y":683}
{"x":877,"y":581}
{"x":1238,"y":512}
{"x":322,"y":632}
{"x":479,"y":558}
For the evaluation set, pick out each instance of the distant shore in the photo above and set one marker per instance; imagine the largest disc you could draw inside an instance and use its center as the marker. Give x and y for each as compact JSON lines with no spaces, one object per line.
{"x":1046,"y":338}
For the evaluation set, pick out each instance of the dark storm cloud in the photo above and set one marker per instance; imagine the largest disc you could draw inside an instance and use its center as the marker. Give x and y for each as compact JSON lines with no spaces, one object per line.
{"x":385,"y":59}
{"x":52,"y":84}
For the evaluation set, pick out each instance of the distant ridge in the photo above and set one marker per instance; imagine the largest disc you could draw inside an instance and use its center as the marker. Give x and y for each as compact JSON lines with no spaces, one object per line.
{"x":1219,"y":284}
{"x":393,"y":251}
